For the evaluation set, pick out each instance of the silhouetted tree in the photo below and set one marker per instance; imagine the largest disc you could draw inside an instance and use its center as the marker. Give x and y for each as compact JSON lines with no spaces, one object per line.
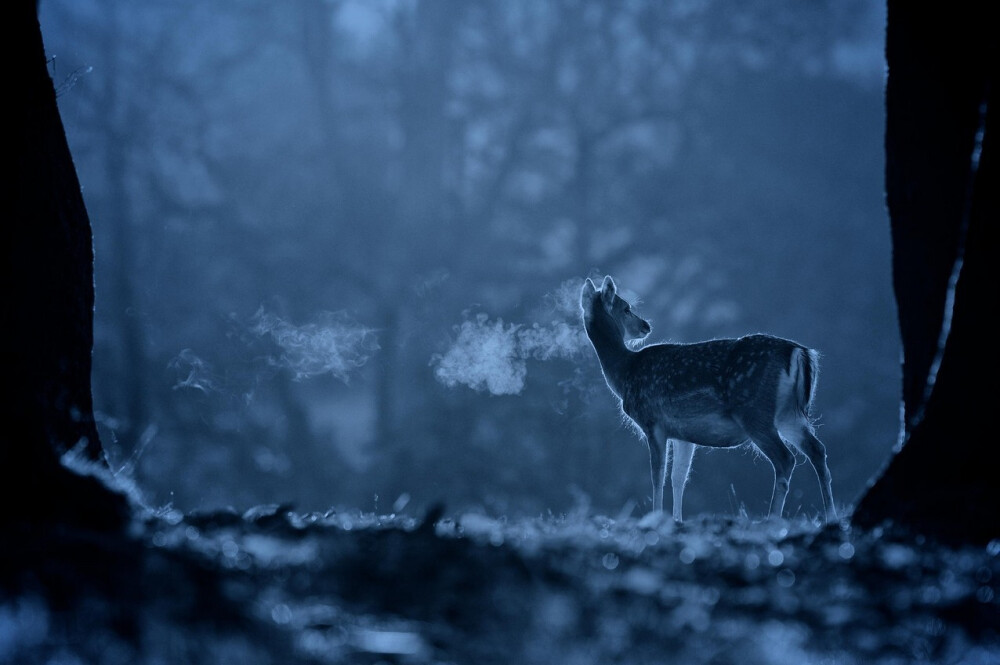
{"x":50,"y":301}
{"x":941,"y":187}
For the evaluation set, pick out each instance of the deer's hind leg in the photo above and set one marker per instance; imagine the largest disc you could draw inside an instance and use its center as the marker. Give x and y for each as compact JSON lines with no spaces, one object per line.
{"x":769,"y":442}
{"x":802,"y":437}
{"x":657,"y":443}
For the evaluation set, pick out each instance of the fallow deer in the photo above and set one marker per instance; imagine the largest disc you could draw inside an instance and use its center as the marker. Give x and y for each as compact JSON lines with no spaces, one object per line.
{"x":721,"y":393}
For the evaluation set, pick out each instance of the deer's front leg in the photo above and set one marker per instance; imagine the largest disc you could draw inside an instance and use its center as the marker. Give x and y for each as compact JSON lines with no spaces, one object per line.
{"x":657,"y":464}
{"x":682,"y":453}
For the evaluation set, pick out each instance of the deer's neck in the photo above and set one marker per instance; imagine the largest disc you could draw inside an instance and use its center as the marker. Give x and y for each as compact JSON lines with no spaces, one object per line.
{"x":611,"y":351}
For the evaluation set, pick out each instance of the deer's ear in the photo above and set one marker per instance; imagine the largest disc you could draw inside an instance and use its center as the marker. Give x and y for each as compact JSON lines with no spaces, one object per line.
{"x":608,"y":290}
{"x":587,"y":294}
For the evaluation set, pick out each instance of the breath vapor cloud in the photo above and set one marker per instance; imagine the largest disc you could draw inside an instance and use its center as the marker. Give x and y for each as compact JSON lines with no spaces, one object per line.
{"x":335,"y":344}
{"x":491,"y":355}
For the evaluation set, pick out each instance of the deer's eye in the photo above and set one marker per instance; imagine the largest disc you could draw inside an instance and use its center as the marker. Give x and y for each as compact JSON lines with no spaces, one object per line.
{"x":628,"y":309}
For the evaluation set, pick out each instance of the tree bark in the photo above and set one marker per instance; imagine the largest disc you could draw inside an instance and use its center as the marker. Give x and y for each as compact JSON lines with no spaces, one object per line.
{"x":941,"y":189}
{"x":50,"y":301}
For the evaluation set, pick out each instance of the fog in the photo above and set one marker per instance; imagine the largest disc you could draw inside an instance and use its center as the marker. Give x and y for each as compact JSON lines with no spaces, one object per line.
{"x":339,"y":245}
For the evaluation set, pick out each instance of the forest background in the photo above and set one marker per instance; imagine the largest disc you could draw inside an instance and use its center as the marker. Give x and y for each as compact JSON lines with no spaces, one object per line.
{"x":339,"y":245}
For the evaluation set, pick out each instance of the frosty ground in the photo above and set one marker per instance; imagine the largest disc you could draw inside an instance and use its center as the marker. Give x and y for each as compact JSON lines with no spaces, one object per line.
{"x":275,"y":586}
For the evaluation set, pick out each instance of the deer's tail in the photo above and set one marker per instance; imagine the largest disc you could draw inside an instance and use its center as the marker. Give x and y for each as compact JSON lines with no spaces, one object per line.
{"x":805,"y":368}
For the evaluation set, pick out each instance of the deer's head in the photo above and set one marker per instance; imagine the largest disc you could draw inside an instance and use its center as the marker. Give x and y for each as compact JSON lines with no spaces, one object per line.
{"x":605,"y":305}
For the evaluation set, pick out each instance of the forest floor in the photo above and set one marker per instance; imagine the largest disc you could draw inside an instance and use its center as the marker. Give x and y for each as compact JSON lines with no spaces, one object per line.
{"x":275,"y":586}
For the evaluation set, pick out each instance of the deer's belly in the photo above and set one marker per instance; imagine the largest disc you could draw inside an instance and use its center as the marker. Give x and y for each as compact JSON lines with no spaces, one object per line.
{"x":713,"y":431}
{"x":697,"y":416}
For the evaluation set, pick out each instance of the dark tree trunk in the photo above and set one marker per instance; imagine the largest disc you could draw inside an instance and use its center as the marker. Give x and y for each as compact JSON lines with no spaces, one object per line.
{"x":50,"y":302}
{"x":941,"y":188}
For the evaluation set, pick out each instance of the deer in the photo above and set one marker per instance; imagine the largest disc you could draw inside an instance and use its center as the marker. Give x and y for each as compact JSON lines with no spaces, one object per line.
{"x":757,"y":389}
